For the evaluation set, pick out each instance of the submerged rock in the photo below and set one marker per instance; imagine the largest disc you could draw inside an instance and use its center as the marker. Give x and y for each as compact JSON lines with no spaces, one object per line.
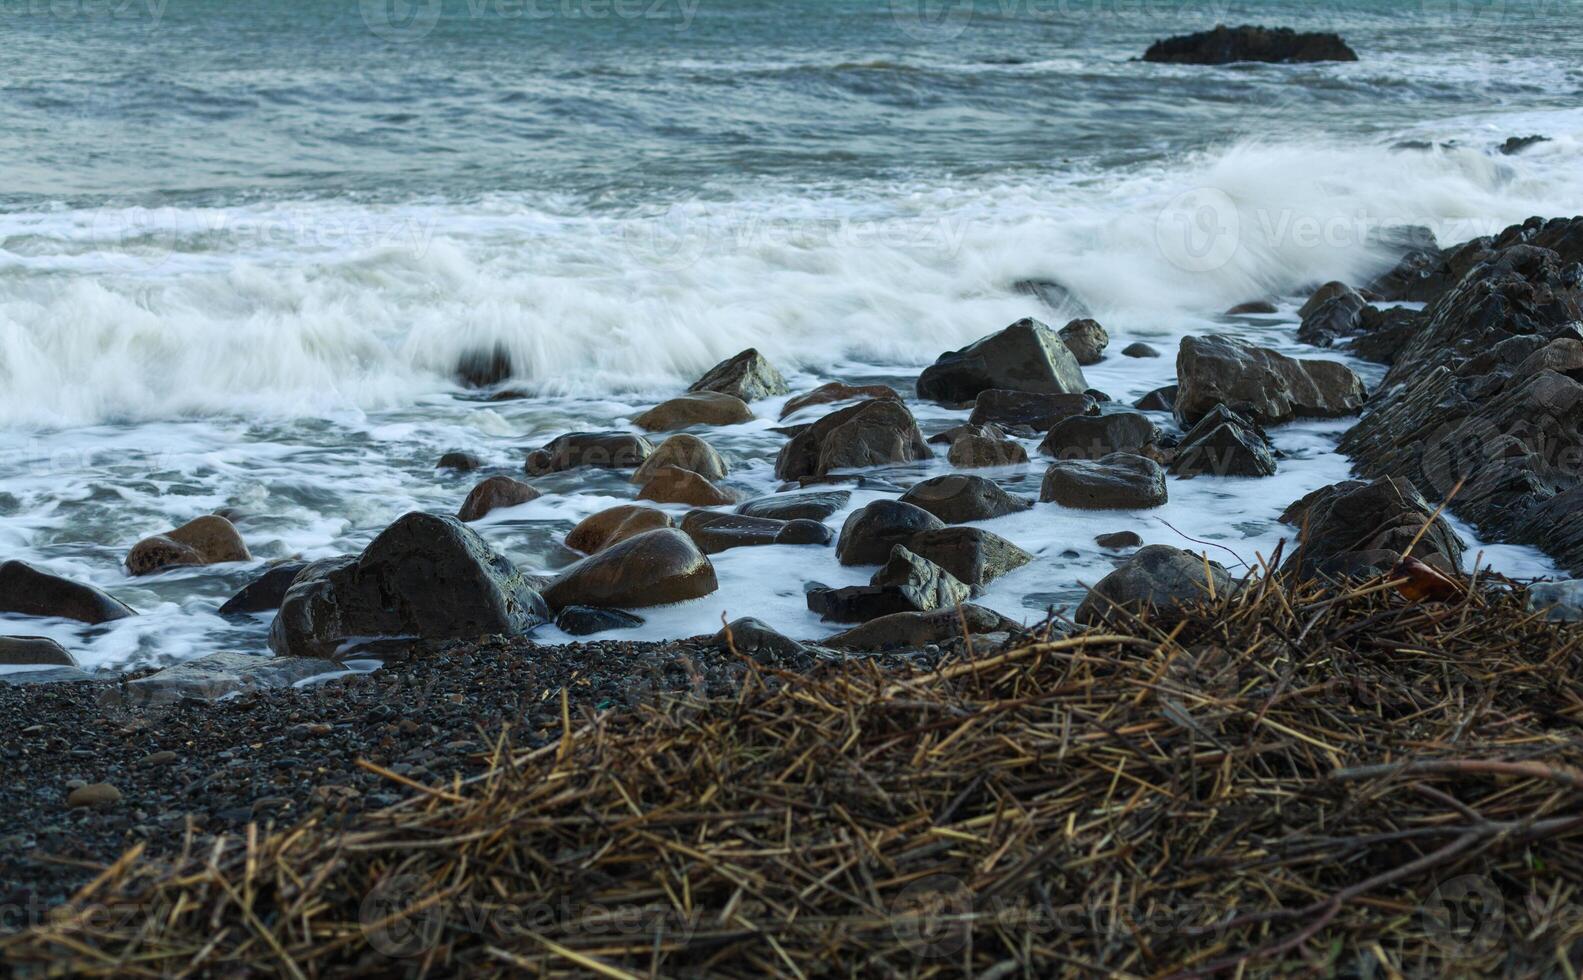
{"x":1122,"y":481}
{"x":748,"y":376}
{"x":697,"y":408}
{"x":1267,"y":386}
{"x":871,"y":433}
{"x":26,"y":591}
{"x":482,"y":367}
{"x":814,"y":506}
{"x":1026,"y":356}
{"x":425,"y":577}
{"x":495,"y":493}
{"x":975,"y":446}
{"x":651,"y":569}
{"x":1252,"y":308}
{"x":604,"y":450}
{"x":219,"y":675}
{"x":588,"y":620}
{"x":838,"y":391}
{"x":265,"y":593}
{"x":1117,"y":540}
{"x":206,"y":540}
{"x":599,"y":531}
{"x":1228,"y":45}
{"x":715,"y":532}
{"x":1158,"y":400}
{"x":1035,"y":410}
{"x":1156,"y":579}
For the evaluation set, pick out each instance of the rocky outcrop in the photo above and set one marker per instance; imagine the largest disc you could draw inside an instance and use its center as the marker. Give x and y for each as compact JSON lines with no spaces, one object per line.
{"x":715,"y":532}
{"x":871,"y":433}
{"x":915,"y":630}
{"x":1026,"y":356}
{"x":977,"y":446}
{"x":1086,"y":339}
{"x":870,"y":533}
{"x":1096,"y":436}
{"x":425,"y":577}
{"x":599,"y":531}
{"x":838,"y":391}
{"x":1030,"y":410}
{"x":652,"y":569}
{"x":1223,"y":443}
{"x":1156,"y":580}
{"x":1267,"y":386}
{"x":972,"y":554}
{"x":683,"y":451}
{"x":957,"y":499}
{"x":673,"y":485}
{"x":588,"y":620}
{"x":1363,"y":528}
{"x":747,"y":376}
{"x":1228,"y":45}
{"x":265,"y":593}
{"x":1120,"y":481}
{"x":1486,"y":395}
{"x":206,"y":540}
{"x":814,"y":506}
{"x":29,"y":651}
{"x":698,"y":408}
{"x":495,"y":493}
{"x":604,"y":450}
{"x":26,"y":591}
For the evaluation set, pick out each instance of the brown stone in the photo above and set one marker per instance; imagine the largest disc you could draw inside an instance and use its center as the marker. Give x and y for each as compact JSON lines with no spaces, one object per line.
{"x":837,"y":391}
{"x":684,"y":451}
{"x":674,"y":485}
{"x":608,"y":527}
{"x":205,"y":540}
{"x":650,"y":569}
{"x":494,"y":493}
{"x":696,"y":408}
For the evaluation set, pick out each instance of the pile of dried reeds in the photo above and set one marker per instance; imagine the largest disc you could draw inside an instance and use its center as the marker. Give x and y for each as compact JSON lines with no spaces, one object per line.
{"x":1357,"y":784}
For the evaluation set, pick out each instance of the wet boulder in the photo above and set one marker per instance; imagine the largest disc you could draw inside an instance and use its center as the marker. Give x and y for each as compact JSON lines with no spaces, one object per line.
{"x":603,"y":450}
{"x":815,"y":506}
{"x":588,"y":620}
{"x":871,"y":433}
{"x":1156,"y":580}
{"x":425,"y":577}
{"x":1334,"y":320}
{"x":714,"y":532}
{"x":1026,"y":356}
{"x":1267,"y":386}
{"x":1361,"y":527}
{"x":1120,"y":481}
{"x":747,"y":376}
{"x":28,"y":651}
{"x":916,"y":630}
{"x":651,"y":569}
{"x":1228,"y":45}
{"x":673,"y":485}
{"x":696,"y":408}
{"x":683,"y":451}
{"x":1031,"y":409}
{"x":265,"y":593}
{"x":495,"y":493}
{"x":870,"y":533}
{"x":206,"y":540}
{"x":459,"y":462}
{"x":971,"y":554}
{"x":753,"y":638}
{"x":1117,"y":540}
{"x":1327,"y":293}
{"x":1223,"y":443}
{"x":1158,"y":400}
{"x":906,"y":583}
{"x":599,"y":531}
{"x":26,"y":591}
{"x":1381,"y":333}
{"x":975,"y":447}
{"x":838,"y":391}
{"x":958,"y":499}
{"x":1095,"y":436}
{"x":1086,"y":339}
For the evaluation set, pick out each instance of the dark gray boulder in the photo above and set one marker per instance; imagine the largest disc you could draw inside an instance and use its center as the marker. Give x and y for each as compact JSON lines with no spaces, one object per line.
{"x":1158,"y":400}
{"x":26,"y":591}
{"x":1096,"y":436}
{"x":425,"y":577}
{"x":958,"y":499}
{"x":1267,"y":386}
{"x":871,"y":433}
{"x":714,"y":532}
{"x":1223,"y":443}
{"x":1086,"y":339}
{"x":588,"y":620}
{"x":266,"y":592}
{"x":1120,"y":481}
{"x":1035,"y":410}
{"x":16,"y":651}
{"x":1026,"y":356}
{"x":1344,"y":527}
{"x":916,"y":630}
{"x":815,"y":506}
{"x":753,"y":638}
{"x":971,"y":554}
{"x":871,"y":532}
{"x":1157,"y":580}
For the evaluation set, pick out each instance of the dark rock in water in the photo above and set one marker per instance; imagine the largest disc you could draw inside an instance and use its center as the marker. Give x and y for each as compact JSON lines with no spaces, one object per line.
{"x":916,"y":630}
{"x":206,"y":540}
{"x":1517,"y":144}
{"x":588,"y":620}
{"x":1118,"y":540}
{"x":1337,"y":317}
{"x":957,"y":499}
{"x":220,"y":675}
{"x":1361,"y":528}
{"x":26,"y":591}
{"x":1267,"y":386}
{"x":858,"y":480}
{"x":16,"y":651}
{"x":1158,"y":400}
{"x":1086,"y":339}
{"x":462,"y":462}
{"x":604,"y":450}
{"x":599,"y":531}
{"x":651,"y":569}
{"x":1223,"y":443}
{"x":1121,"y":481}
{"x":673,"y":485}
{"x":998,"y":406}
{"x":266,"y":592}
{"x":797,"y":506}
{"x":494,"y":493}
{"x":425,"y":577}
{"x":480,"y":368}
{"x":1157,"y":579}
{"x":971,"y":554}
{"x":697,"y":408}
{"x":1329,"y":291}
{"x":856,"y":603}
{"x":1228,"y":45}
{"x":753,"y":638}
{"x":715,"y":532}
{"x":1053,"y":295}
{"x":871,"y":433}
{"x":870,"y":533}
{"x":988,"y":430}
{"x":1100,"y":398}
{"x":1486,"y":393}
{"x":1092,"y":437}
{"x":838,"y":391}
{"x":1026,"y":356}
{"x":1252,"y":308}
{"x":1139,"y":349}
{"x":925,"y":584}
{"x":1381,"y":333}
{"x":747,"y":376}
{"x":975,"y":447}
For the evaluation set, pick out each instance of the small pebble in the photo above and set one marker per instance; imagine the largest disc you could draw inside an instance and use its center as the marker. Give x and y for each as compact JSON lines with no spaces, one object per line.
{"x":93,"y":794}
